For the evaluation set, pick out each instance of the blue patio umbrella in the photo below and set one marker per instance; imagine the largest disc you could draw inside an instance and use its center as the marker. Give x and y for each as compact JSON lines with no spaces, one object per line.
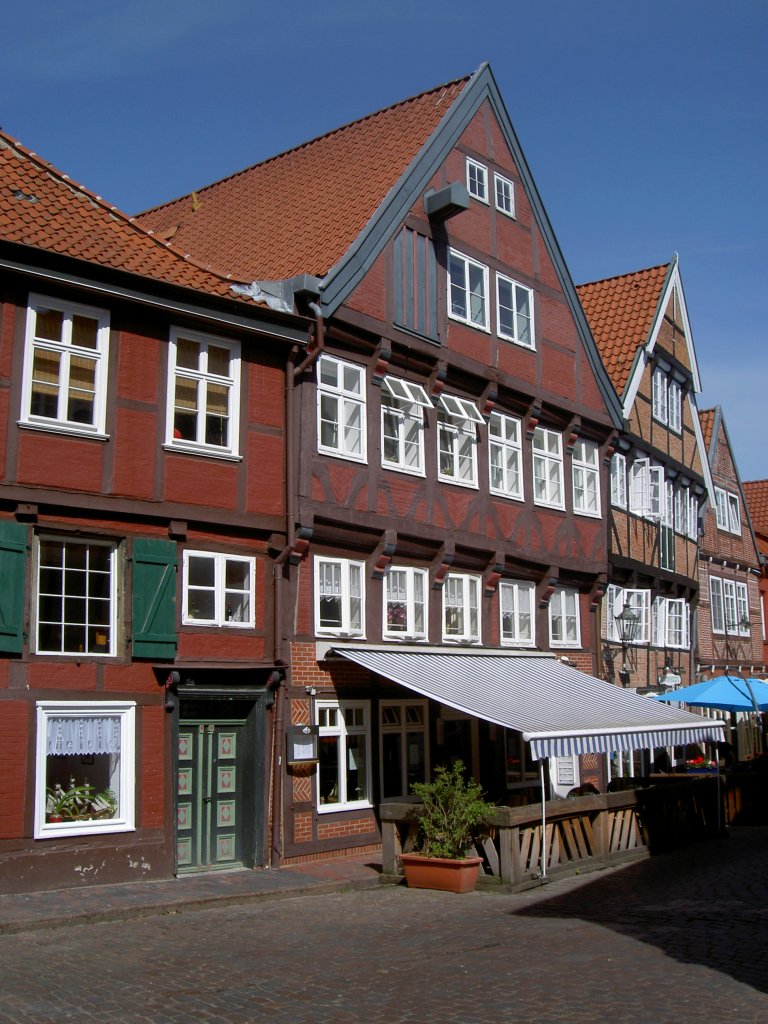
{"x":727,"y":693}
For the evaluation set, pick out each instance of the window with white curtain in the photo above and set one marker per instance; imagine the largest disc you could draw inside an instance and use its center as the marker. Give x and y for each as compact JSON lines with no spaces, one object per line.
{"x":85,"y":770}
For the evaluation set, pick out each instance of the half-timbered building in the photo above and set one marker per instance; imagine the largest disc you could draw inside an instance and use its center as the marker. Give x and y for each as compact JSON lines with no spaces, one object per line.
{"x":448,"y":433}
{"x":141,"y":488}
{"x":659,"y":480}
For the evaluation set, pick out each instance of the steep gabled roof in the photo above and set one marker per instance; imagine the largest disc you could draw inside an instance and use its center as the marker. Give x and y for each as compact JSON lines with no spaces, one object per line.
{"x":299,"y":212}
{"x":41,"y":207}
{"x":329,"y":207}
{"x":621,"y":312}
{"x":756,"y":493}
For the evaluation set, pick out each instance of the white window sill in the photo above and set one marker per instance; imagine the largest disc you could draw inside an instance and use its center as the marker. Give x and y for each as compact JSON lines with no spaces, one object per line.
{"x":61,"y":829}
{"x":519,"y":344}
{"x":403,"y":469}
{"x":333,"y":454}
{"x":504,"y":494}
{"x":468,"y":484}
{"x":68,"y":429}
{"x":208,"y":453}
{"x":355,"y":805}
{"x":587,"y":515}
{"x":485,"y":328}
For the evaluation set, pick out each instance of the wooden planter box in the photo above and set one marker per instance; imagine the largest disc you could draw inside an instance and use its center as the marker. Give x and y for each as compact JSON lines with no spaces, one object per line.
{"x":440,"y":872}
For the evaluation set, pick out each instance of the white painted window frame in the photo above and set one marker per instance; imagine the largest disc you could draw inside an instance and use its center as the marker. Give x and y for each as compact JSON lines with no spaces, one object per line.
{"x":505,"y":455}
{"x":619,"y":480}
{"x":124,"y":787}
{"x":413,"y":576}
{"x":457,"y":421}
{"x":513,"y":594}
{"x":348,"y":402}
{"x":65,"y":350}
{"x":639,"y":600}
{"x":466,"y":589}
{"x":342,"y":730}
{"x":504,"y":194}
{"x":202,"y":378}
{"x":515,"y":289}
{"x":477,"y":180}
{"x":463,"y":266}
{"x":220,"y":561}
{"x":351,"y":573}
{"x":403,"y":402}
{"x":548,"y":469}
{"x":585,"y":467}
{"x":564,"y":605}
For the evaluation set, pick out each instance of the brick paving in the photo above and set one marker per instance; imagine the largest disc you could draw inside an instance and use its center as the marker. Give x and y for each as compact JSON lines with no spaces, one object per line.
{"x":678,"y":938}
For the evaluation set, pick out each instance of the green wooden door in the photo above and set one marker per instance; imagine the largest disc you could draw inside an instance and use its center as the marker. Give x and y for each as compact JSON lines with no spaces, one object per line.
{"x":209,"y":828}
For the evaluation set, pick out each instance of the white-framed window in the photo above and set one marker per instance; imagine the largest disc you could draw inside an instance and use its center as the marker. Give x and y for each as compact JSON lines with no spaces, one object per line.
{"x":344,"y":770}
{"x":218,"y":589}
{"x":660,"y":395}
{"x":727,"y":511}
{"x":646,"y":489}
{"x":461,"y":608}
{"x":721,"y":508}
{"x":516,"y":609}
{"x":514,"y":311}
{"x":402,"y":425}
{"x":586,"y":479}
{"x":693,"y":517}
{"x":341,"y":409}
{"x":734,"y":513}
{"x":405,"y":603}
{"x":505,"y":194}
{"x":619,"y":480}
{"x":671,"y":622}
{"x":681,"y":510}
{"x":339,"y":597}
{"x":742,"y":609}
{"x":457,"y":420}
{"x":76,"y":596}
{"x":404,"y":745}
{"x":716,"y":606}
{"x":85,"y":768}
{"x":564,"y":619}
{"x":66,"y":356}
{"x":467,"y":290}
{"x":477,"y":180}
{"x":505,"y":455}
{"x":639,"y":601}
{"x":548,"y":468}
{"x":675,"y":407}
{"x":203,"y":394}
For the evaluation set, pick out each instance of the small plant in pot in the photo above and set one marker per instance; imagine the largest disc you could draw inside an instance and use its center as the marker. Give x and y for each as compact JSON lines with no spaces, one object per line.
{"x":453,"y":810}
{"x":79,"y":803}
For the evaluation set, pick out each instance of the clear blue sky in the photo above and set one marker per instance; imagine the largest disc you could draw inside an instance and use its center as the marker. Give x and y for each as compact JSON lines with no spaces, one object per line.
{"x":645,"y":124}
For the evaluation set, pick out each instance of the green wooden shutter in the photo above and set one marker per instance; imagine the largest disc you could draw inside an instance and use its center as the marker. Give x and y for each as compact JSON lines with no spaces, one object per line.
{"x":13,"y":554}
{"x":154,"y":599}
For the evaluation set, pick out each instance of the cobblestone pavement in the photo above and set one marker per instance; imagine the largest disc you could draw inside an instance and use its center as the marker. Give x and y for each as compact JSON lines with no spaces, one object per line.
{"x":679,"y":938}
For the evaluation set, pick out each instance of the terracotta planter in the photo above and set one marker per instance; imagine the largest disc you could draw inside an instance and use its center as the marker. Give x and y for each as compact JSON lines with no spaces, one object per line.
{"x":440,"y":872}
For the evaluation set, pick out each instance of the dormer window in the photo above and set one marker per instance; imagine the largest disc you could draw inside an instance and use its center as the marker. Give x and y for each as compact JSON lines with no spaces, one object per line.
{"x":477,"y":180}
{"x":667,"y":400}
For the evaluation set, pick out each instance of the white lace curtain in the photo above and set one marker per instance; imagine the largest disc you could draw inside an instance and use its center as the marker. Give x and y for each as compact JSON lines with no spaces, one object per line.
{"x":89,"y":735}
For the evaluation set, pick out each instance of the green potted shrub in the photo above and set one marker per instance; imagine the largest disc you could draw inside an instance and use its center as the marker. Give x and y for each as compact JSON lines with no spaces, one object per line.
{"x":451,"y":813}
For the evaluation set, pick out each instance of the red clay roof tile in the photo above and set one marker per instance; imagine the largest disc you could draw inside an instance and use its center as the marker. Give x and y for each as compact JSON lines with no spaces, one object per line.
{"x":756,"y":493}
{"x":42,"y":207}
{"x":707,"y":420}
{"x":300,"y":211}
{"x":620,"y":311}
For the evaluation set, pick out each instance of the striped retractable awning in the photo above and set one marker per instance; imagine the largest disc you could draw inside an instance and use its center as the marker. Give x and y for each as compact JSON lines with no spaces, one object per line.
{"x":558,"y":709}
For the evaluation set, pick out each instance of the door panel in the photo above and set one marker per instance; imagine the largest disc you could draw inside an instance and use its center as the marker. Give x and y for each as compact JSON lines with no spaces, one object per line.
{"x":209,"y":818}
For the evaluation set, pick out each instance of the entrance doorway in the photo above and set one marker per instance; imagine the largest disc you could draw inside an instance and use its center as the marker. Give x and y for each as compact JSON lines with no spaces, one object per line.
{"x":219,"y":784}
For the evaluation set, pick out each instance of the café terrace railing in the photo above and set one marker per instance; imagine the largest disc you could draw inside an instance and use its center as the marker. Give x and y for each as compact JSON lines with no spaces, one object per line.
{"x":581,"y":833}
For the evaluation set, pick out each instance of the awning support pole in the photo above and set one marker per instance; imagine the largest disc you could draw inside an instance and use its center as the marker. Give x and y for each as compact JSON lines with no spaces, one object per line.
{"x":543,"y":821}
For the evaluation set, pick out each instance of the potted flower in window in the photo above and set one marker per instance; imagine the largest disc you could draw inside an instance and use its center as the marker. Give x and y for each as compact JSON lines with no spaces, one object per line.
{"x":79,"y":803}
{"x":452,"y":811}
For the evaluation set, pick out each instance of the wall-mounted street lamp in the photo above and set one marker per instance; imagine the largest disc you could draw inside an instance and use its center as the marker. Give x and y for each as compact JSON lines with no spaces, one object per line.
{"x":627,"y":623}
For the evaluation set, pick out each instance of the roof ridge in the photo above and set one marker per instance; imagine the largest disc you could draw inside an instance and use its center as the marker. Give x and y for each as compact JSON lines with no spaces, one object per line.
{"x":629,"y":273}
{"x":114,"y":211}
{"x":308,"y":142}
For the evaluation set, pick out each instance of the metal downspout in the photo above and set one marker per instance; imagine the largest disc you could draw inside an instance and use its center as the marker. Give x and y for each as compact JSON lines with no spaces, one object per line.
{"x":292,"y":372}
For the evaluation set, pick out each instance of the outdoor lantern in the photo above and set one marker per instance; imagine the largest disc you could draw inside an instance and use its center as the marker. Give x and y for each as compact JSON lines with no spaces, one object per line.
{"x":627,"y":622}
{"x":302,"y":743}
